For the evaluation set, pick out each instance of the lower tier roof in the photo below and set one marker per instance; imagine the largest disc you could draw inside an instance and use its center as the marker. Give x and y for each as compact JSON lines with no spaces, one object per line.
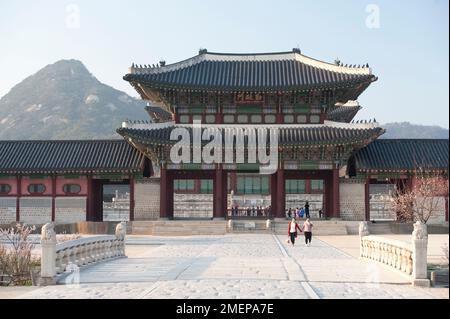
{"x":386,"y":155}
{"x":288,"y":135}
{"x":81,"y":156}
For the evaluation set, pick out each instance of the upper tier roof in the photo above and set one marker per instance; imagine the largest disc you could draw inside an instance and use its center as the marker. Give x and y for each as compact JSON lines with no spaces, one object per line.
{"x":81,"y":156}
{"x":252,"y":72}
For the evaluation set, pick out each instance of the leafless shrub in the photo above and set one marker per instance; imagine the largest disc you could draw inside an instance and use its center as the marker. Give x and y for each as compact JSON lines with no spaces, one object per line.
{"x":16,"y":260}
{"x":422,"y":201}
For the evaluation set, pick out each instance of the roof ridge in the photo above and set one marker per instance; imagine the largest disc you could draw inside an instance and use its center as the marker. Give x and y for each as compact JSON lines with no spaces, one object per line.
{"x":64,"y":141}
{"x":295,"y":54}
{"x":412,"y":139}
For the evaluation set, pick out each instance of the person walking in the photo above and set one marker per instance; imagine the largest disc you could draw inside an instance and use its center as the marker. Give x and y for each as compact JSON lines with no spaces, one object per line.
{"x":307,"y":209}
{"x":292,"y":231}
{"x":301,"y":213}
{"x":307,"y":228}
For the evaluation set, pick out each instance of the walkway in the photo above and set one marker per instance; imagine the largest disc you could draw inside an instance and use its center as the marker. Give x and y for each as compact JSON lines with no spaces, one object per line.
{"x":235,"y":266}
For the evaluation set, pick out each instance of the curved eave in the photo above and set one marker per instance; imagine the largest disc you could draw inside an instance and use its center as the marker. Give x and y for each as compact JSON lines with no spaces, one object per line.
{"x":401,"y":170}
{"x":135,"y":79}
{"x":289,"y":138}
{"x":50,"y":171}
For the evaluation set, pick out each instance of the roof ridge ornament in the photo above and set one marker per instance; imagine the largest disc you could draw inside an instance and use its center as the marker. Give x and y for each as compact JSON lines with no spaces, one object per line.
{"x":202,"y":51}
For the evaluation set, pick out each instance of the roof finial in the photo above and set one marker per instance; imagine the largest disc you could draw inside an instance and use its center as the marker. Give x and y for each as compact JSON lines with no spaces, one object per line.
{"x":297,"y":50}
{"x":162,"y":63}
{"x":337,"y":62}
{"x":202,"y":51}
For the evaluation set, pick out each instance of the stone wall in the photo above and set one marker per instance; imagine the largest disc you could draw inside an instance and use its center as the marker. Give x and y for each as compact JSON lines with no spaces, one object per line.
{"x":146,"y":199}
{"x":352,"y":200}
{"x":438,"y":217}
{"x":70,"y":209}
{"x":193,"y":206}
{"x":7,"y":210}
{"x":380,"y":202}
{"x":35,"y":210}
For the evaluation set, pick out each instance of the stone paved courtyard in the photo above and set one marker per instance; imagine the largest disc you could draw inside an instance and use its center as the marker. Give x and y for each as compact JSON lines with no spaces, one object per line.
{"x":234,"y":266}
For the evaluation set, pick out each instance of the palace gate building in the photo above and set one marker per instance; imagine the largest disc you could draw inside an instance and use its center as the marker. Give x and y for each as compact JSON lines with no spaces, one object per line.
{"x":323,"y":156}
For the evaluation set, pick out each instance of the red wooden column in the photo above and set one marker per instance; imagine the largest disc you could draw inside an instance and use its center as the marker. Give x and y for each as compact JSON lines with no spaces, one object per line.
{"x":163,"y":193}
{"x":446,"y":208}
{"x":367,"y":199}
{"x":273,"y":194}
{"x":132,"y":198}
{"x":218,"y":196}
{"x":328,"y":201}
{"x":308,"y":185}
{"x":19,"y":194}
{"x":53,"y":198}
{"x":169,"y":193}
{"x":281,"y":196}
{"x":336,"y":208}
{"x":89,"y":198}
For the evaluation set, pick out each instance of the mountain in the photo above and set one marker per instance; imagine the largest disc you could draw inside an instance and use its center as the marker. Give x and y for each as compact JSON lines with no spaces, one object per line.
{"x":65,"y":101}
{"x":408,"y":130}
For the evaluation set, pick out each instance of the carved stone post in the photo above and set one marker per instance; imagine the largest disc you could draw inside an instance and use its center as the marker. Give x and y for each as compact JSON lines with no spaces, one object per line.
{"x":121,"y":230}
{"x":230,"y":225}
{"x":268,"y":223}
{"x":48,"y":255}
{"x":363,"y":231}
{"x":420,"y":243}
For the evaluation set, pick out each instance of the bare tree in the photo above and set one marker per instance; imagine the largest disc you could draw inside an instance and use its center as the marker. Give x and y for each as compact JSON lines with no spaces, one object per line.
{"x":421,"y":201}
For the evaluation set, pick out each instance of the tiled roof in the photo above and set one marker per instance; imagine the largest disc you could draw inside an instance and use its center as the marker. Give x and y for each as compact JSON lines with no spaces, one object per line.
{"x":403,"y":155}
{"x":82,"y":156}
{"x":257,"y":72}
{"x":288,"y":135}
{"x":343,"y":113}
{"x":158,"y":114}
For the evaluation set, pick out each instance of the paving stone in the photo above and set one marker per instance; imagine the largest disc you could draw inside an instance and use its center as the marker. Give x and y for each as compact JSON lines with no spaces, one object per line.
{"x":235,"y":266}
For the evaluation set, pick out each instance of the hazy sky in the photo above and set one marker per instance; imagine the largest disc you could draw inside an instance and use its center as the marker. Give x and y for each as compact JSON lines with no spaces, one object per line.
{"x":407,"y":47}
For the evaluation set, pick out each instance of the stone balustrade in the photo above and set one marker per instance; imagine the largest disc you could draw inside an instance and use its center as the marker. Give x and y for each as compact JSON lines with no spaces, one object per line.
{"x":408,"y":258}
{"x":59,"y":258}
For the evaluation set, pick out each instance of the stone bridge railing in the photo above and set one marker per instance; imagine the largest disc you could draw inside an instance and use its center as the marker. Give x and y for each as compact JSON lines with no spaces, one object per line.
{"x":59,"y":258}
{"x":408,"y":258}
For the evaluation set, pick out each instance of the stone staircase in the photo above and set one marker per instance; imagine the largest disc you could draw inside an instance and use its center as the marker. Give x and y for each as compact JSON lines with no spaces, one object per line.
{"x":179,"y":227}
{"x":380,"y":228}
{"x":250,"y":226}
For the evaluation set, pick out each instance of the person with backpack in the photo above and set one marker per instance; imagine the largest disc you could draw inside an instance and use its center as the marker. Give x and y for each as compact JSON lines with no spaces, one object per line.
{"x":307,"y":209}
{"x":292,"y":231}
{"x":307,"y":228}
{"x":301,"y":213}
